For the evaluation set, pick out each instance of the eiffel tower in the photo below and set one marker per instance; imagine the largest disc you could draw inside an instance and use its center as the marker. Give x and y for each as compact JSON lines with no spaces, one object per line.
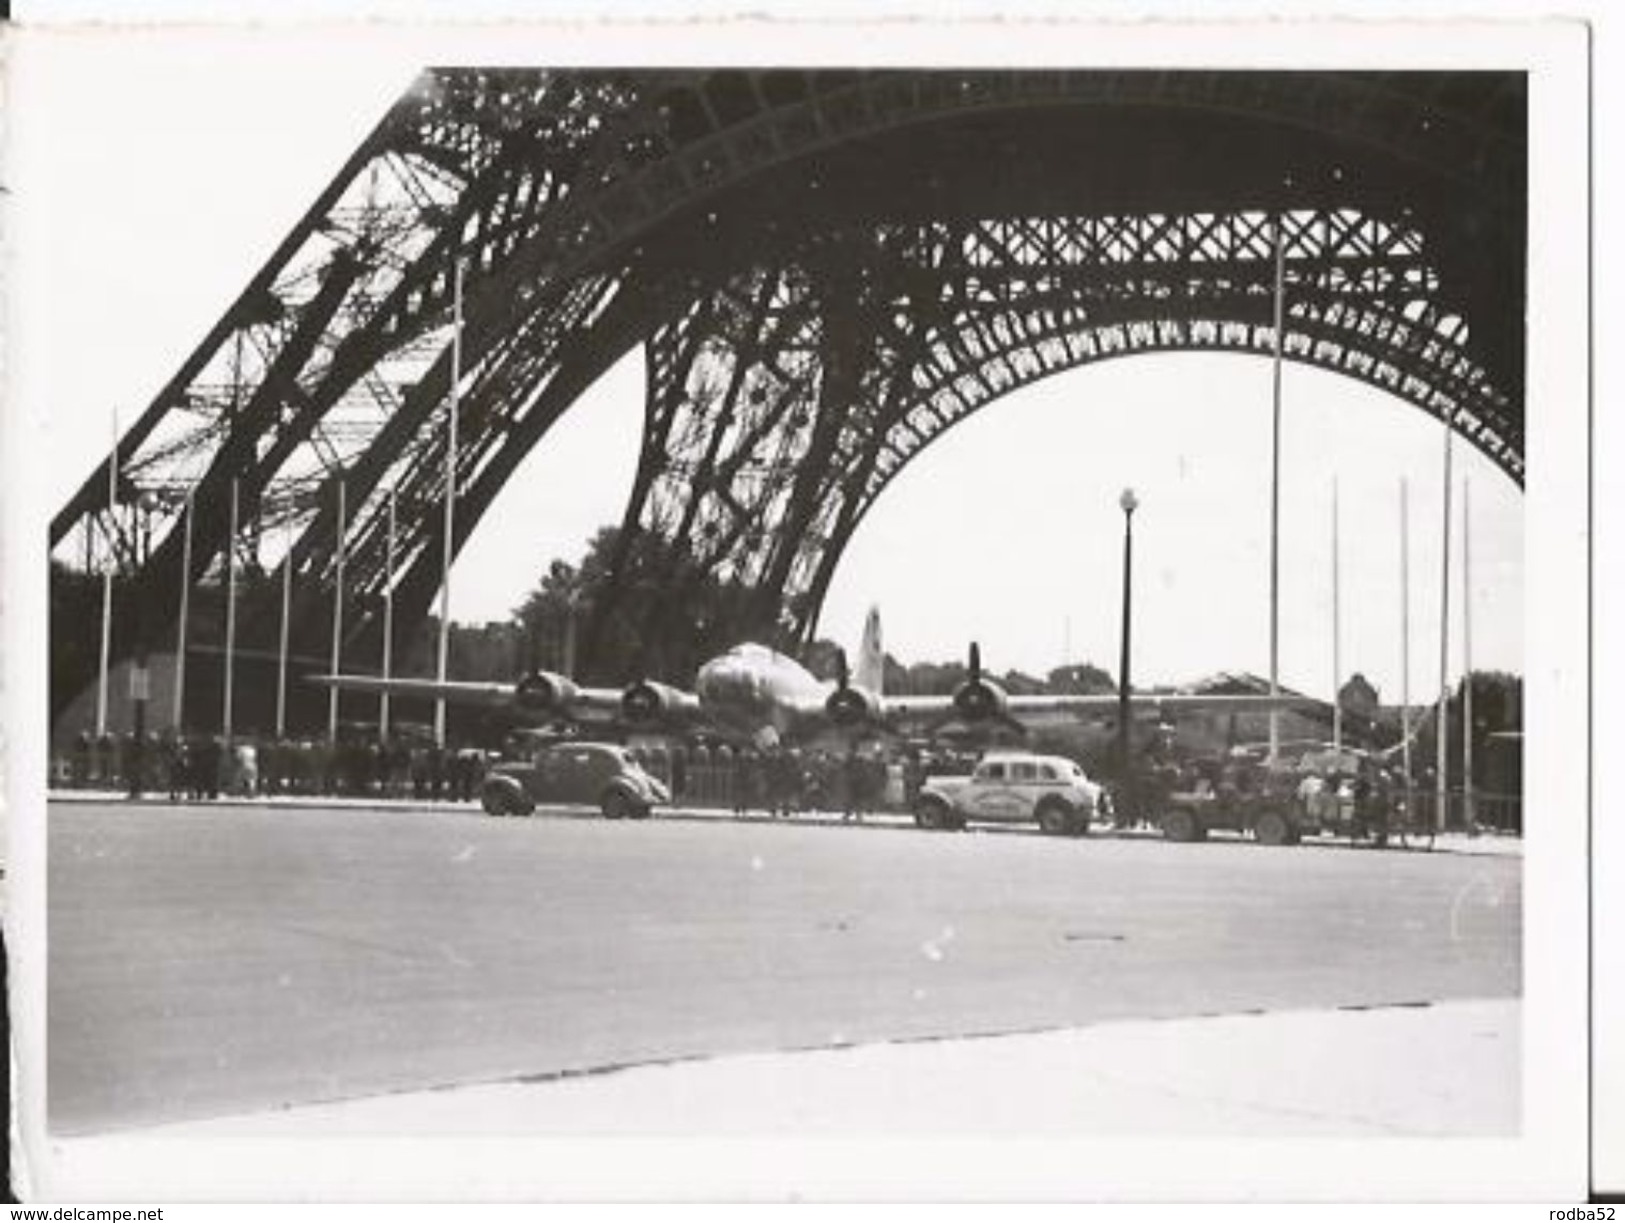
{"x":825,"y":271}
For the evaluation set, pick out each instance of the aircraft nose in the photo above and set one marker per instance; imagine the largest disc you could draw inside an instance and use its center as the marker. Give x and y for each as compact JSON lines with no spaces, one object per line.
{"x":717,"y":681}
{"x":728,"y":683}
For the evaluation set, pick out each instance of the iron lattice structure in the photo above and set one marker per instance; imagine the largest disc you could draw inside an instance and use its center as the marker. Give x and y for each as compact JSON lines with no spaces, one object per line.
{"x":827,"y":270}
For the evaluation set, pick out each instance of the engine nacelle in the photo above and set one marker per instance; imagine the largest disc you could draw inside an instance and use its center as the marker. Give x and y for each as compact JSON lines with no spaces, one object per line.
{"x":848,"y":706}
{"x":977,"y":700}
{"x":648,"y":702}
{"x":543,"y":692}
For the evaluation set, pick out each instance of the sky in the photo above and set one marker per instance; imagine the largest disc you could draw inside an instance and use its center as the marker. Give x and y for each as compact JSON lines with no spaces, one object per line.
{"x":172,"y":167}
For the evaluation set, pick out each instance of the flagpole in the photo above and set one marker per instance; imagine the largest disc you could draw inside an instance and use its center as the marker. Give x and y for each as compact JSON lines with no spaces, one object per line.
{"x":107,"y":588}
{"x":282,"y":637}
{"x":1337,"y":631}
{"x":1275,"y":494}
{"x":231,"y":615}
{"x":338,"y":627}
{"x":451,"y":494}
{"x":389,"y":617}
{"x":1442,"y":727}
{"x":1468,"y":805}
{"x":1405,"y":633}
{"x":185,"y":613}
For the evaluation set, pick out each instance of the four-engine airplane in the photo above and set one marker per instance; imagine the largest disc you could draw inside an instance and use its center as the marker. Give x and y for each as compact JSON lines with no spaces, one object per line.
{"x":752,"y":690}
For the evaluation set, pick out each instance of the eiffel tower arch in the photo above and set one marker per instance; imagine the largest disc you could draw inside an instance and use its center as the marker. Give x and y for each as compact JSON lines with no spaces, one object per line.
{"x":826,"y":270}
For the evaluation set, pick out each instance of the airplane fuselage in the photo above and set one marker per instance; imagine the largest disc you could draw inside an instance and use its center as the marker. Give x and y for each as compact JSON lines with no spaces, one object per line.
{"x":751,"y":685}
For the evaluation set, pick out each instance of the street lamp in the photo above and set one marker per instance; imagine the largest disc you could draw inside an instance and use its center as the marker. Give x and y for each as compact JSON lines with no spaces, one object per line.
{"x":1129,"y":504}
{"x":577,"y":597}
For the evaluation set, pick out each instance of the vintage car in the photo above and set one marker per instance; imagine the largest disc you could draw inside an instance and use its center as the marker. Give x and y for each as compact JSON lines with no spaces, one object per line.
{"x":601,"y":774}
{"x":1014,"y":788}
{"x":1267,"y":812}
{"x":1320,"y":795}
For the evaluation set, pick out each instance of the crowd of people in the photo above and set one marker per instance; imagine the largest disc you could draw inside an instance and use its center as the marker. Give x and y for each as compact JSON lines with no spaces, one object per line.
{"x":1350,"y":796}
{"x":785,"y":780}
{"x":1364,"y":801}
{"x":776,"y":780}
{"x":204,"y":766}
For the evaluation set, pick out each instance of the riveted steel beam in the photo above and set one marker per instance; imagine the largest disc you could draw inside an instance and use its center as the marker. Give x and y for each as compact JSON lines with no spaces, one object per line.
{"x":756,"y":228}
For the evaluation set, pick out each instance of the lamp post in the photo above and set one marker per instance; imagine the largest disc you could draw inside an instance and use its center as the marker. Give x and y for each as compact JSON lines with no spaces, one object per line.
{"x":571,"y":611}
{"x":1129,"y":503}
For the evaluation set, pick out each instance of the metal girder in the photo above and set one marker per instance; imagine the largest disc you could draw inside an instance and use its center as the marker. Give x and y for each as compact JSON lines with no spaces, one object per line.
{"x":936,"y":322}
{"x":828,"y":268}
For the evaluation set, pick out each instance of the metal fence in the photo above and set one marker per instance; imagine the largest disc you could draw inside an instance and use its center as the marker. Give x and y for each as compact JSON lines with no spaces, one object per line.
{"x":1476,"y":810}
{"x":701,"y":779}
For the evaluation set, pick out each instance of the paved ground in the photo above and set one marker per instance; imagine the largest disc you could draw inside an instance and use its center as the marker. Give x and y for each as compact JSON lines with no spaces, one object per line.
{"x":1235,"y":1076}
{"x":210,"y":961}
{"x":1490,"y":843}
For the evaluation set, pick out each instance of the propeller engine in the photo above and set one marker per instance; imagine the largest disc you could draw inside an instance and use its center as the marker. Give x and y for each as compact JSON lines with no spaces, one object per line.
{"x":648,"y":702}
{"x":848,"y":706}
{"x":543,"y":693}
{"x":979,"y":699}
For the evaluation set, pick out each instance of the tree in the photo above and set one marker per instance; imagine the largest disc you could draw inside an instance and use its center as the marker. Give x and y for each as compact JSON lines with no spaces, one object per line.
{"x":544,"y":618}
{"x":820,"y":657}
{"x":665,"y":615}
{"x":1497,"y":716}
{"x":936,"y":679}
{"x":1019,"y":683}
{"x":895,"y":676}
{"x":1080,"y":679}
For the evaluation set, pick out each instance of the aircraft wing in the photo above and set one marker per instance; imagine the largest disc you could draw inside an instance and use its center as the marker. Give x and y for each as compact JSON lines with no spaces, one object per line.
{"x":1052,"y":710}
{"x":456,"y":691}
{"x":1198,"y":702}
{"x":540,"y":694}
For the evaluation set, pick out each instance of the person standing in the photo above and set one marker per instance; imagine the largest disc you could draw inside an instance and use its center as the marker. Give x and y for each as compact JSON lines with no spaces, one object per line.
{"x":679,"y":772}
{"x":1364,"y":817}
{"x":1309,"y":794}
{"x":437,"y":771}
{"x":781,"y":783}
{"x":213,"y":765}
{"x":82,"y":754}
{"x":247,"y":769}
{"x":755,"y":780}
{"x":896,"y":791}
{"x":175,"y":765}
{"x":852,"y":786}
{"x":913,"y":778}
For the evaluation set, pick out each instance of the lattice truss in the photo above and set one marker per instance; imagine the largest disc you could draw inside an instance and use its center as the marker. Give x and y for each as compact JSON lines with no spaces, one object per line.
{"x":327,"y":385}
{"x":796,"y":363}
{"x":784,"y":402}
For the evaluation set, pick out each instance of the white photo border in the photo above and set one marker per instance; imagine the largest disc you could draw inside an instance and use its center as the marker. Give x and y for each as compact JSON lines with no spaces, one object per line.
{"x":1547,"y":1161}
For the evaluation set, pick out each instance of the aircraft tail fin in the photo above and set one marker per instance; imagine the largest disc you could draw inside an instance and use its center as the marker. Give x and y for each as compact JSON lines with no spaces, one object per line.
{"x":870,"y":673}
